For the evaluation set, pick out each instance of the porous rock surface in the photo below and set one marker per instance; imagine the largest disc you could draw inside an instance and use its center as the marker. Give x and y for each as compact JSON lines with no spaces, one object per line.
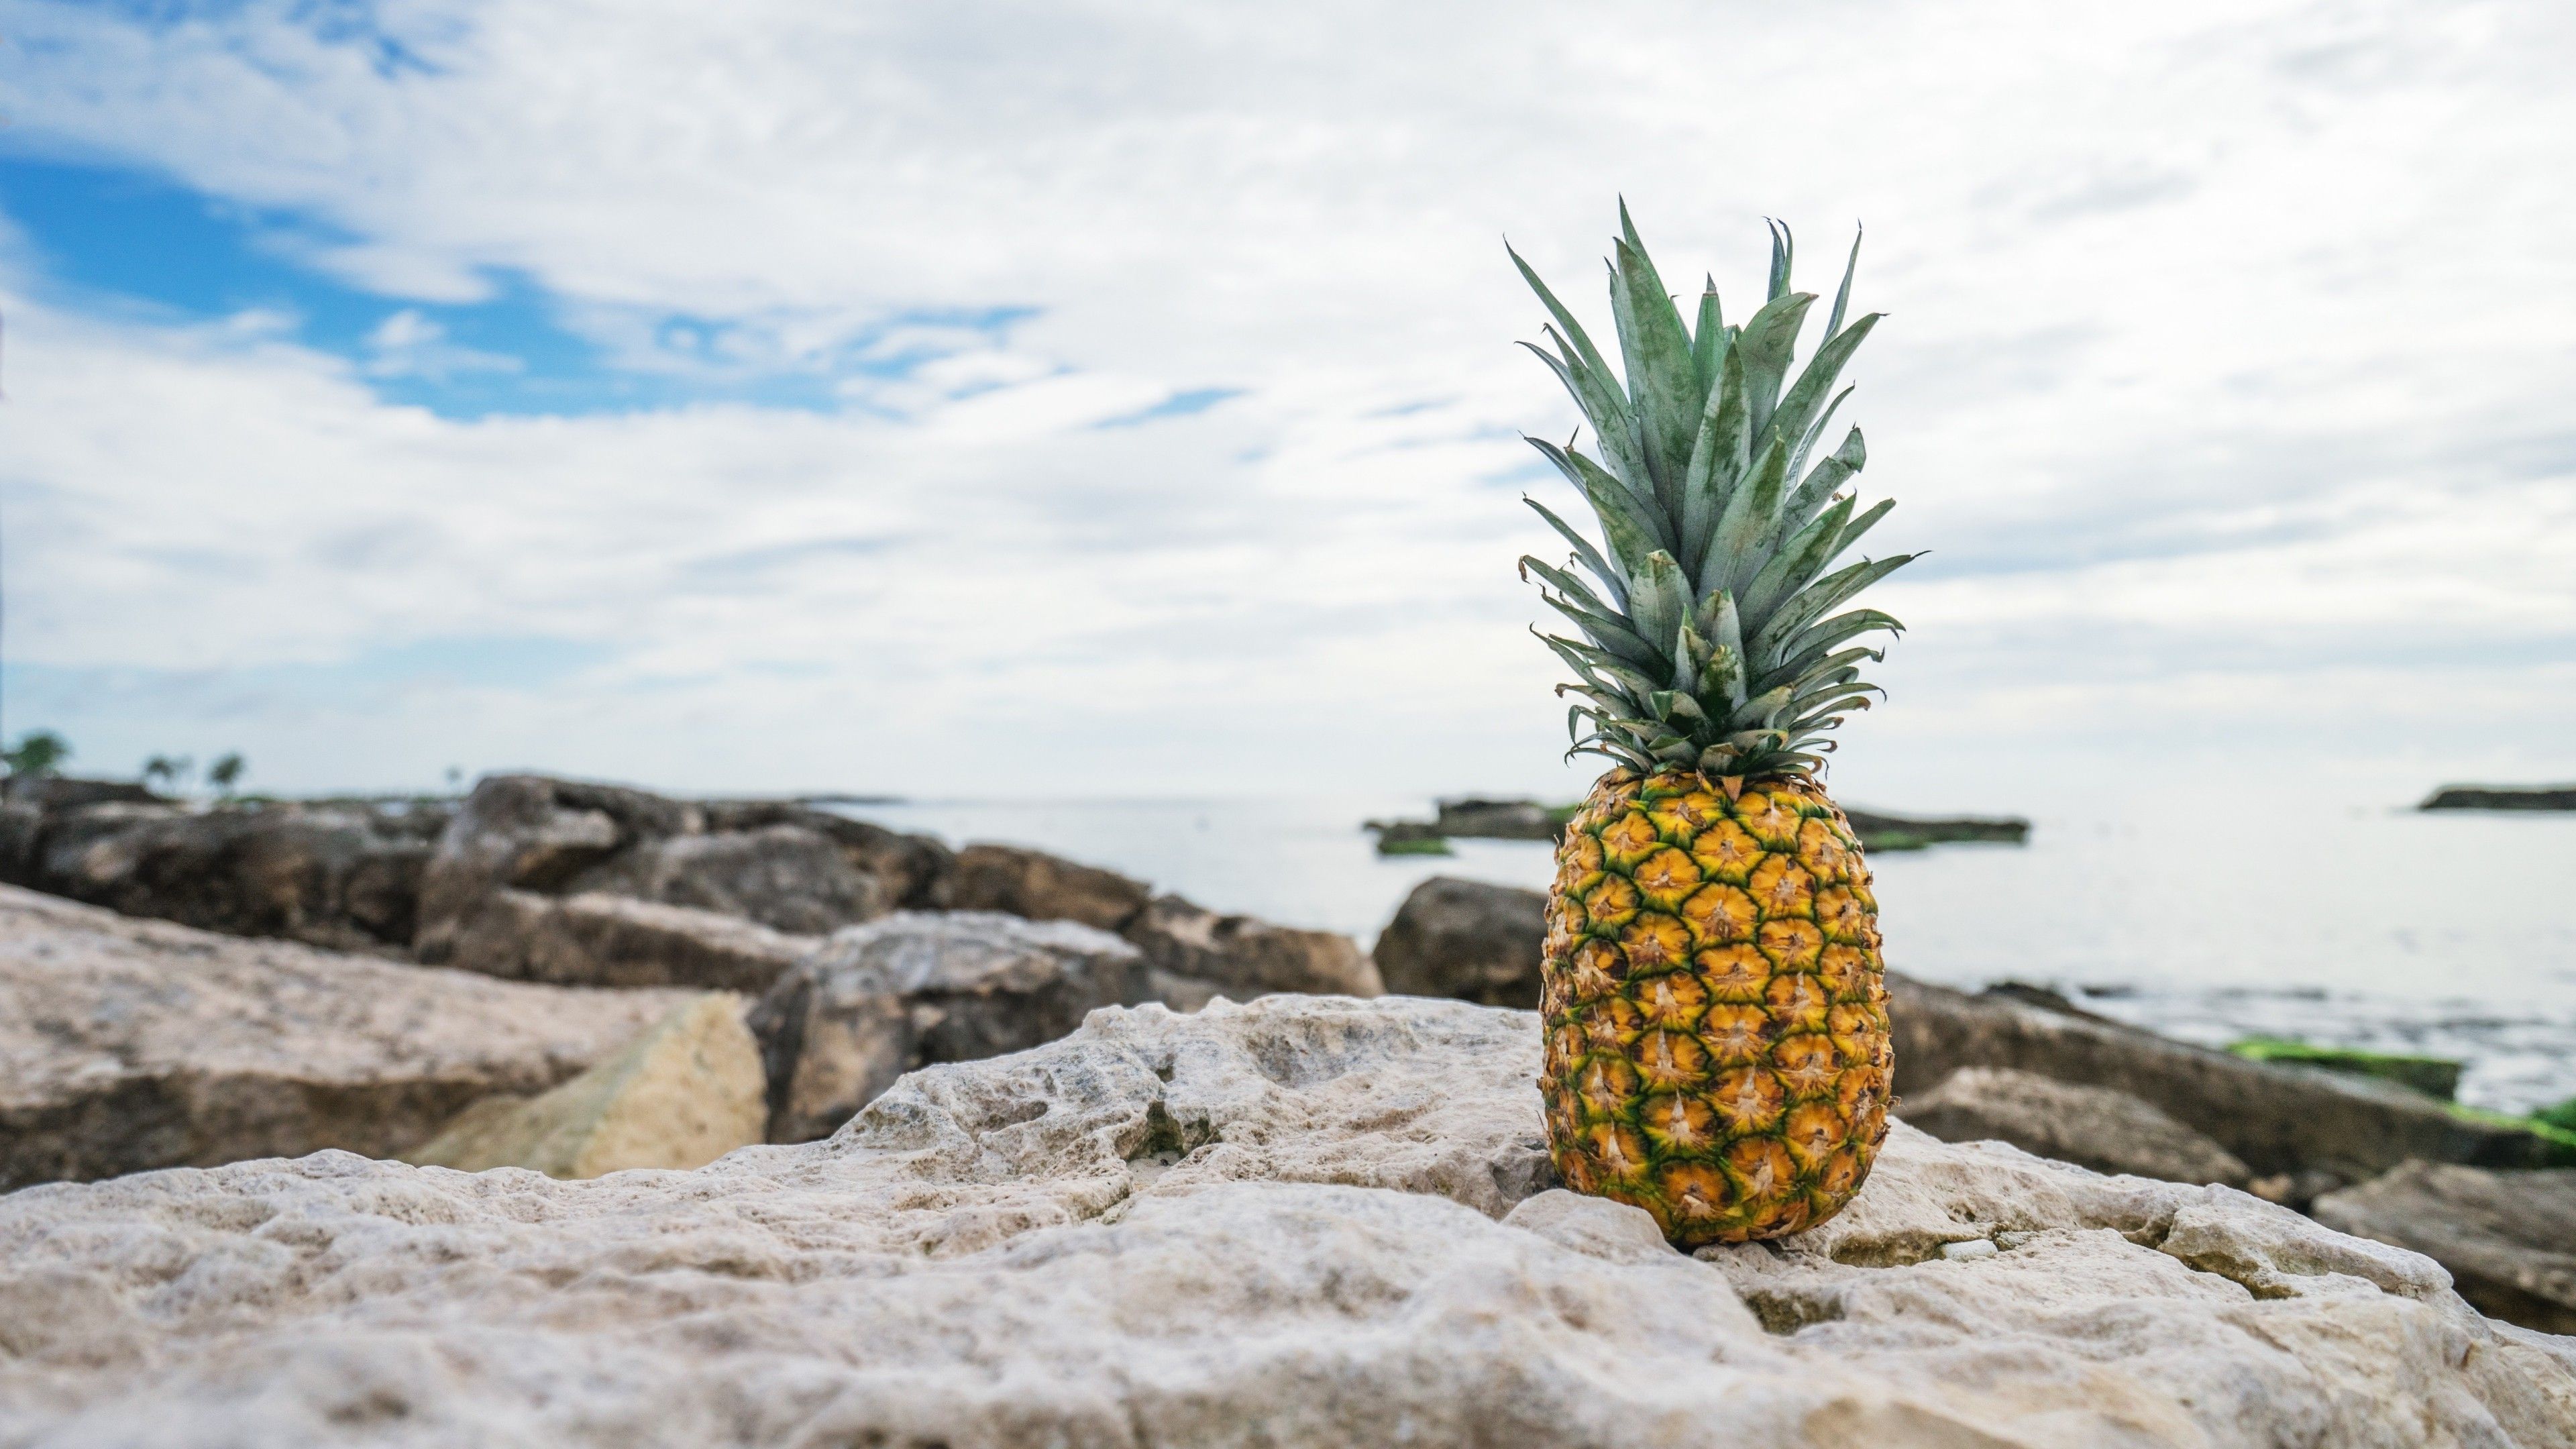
{"x":684,"y":1093}
{"x":131,"y":1044}
{"x":2508,"y":1238}
{"x":2091,"y":1127}
{"x":1303,"y":1221}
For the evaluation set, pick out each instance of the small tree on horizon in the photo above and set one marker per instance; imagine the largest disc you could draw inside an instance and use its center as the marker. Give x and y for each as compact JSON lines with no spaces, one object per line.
{"x":38,"y":752}
{"x":166,"y":772}
{"x":224,"y":772}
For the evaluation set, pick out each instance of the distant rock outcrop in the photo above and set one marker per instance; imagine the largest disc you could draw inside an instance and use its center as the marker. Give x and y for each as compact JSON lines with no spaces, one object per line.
{"x":127,"y":1045}
{"x":2501,"y":797}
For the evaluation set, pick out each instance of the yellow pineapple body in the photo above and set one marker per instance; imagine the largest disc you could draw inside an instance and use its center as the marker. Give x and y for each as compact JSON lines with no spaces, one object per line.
{"x":1716,"y":1007}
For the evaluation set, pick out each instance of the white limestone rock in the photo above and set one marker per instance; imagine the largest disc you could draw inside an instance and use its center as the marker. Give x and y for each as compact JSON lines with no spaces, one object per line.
{"x":1305,"y":1221}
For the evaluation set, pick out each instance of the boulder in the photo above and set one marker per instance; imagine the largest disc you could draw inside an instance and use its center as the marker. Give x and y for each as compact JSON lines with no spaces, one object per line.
{"x":1498,"y":820}
{"x":2091,"y":1127}
{"x":1465,"y":939}
{"x":1302,"y":1221}
{"x":785,"y":877}
{"x":130,"y":1044}
{"x":1193,"y":949}
{"x":684,"y":1093}
{"x":1043,"y":887}
{"x":2508,"y":1238}
{"x":892,"y":995}
{"x":346,"y":876}
{"x":775,"y":863}
{"x":2276,"y":1118}
{"x":2501,"y":797}
{"x":606,"y":940}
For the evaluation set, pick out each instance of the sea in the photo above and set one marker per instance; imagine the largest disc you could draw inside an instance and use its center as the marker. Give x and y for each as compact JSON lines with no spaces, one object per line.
{"x":2448,"y":934}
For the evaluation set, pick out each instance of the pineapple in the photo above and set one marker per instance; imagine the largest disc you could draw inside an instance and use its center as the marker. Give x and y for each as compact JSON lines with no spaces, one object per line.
{"x":1717,"y":1044}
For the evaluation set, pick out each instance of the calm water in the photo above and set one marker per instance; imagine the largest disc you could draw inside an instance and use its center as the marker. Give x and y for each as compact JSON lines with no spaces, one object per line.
{"x":2451,"y":934}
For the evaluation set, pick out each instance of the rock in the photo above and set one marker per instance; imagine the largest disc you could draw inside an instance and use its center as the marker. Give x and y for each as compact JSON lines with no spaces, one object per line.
{"x":1242,"y":958}
{"x":684,"y":1093}
{"x":1303,"y":1221}
{"x":2508,"y":1238}
{"x":892,"y":995}
{"x":62,"y":792}
{"x":772,"y":862}
{"x":785,"y":877}
{"x":605,"y":940}
{"x":127,"y":1044}
{"x":344,"y":876}
{"x":1465,"y":939}
{"x":2274,"y":1118}
{"x":1043,"y":887}
{"x":2091,"y":1127}
{"x":2507,"y":797}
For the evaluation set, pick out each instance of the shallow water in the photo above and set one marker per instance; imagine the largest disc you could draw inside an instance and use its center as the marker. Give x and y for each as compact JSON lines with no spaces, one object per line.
{"x":2450,"y":934}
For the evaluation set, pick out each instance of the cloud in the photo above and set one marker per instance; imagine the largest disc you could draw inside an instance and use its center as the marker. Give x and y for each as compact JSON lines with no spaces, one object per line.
{"x":2222,"y":374}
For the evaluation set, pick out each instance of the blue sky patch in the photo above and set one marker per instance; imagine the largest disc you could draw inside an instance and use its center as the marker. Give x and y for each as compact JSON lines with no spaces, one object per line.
{"x":1178,"y":405}
{"x":110,"y":240}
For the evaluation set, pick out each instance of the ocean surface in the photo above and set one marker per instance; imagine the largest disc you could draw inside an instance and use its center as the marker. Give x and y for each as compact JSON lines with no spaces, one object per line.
{"x":2450,"y":934}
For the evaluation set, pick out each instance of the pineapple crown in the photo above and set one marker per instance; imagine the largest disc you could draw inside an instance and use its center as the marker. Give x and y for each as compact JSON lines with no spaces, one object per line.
{"x":1707,"y":645}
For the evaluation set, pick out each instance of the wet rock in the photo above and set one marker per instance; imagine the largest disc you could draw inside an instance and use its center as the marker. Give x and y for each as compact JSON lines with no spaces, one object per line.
{"x":684,"y":1093}
{"x":1241,"y":957}
{"x":2091,"y":1127}
{"x":132,"y":1044}
{"x":1498,"y":820}
{"x":2274,"y":1118}
{"x":915,"y":988}
{"x":2508,"y":1238}
{"x":1305,"y":1221}
{"x":1044,"y":887}
{"x":606,"y":940}
{"x":345,"y":876}
{"x":1465,"y":939}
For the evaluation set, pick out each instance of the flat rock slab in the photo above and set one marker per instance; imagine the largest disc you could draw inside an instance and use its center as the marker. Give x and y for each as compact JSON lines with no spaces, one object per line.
{"x":130,"y":1044}
{"x":2091,"y":1127}
{"x":1305,"y":1221}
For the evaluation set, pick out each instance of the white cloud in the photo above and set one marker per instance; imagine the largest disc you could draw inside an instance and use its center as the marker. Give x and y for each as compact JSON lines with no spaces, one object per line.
{"x":2224,"y":373}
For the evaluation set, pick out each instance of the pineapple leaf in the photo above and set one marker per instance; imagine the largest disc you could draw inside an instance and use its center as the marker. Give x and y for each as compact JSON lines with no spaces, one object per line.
{"x":1601,"y":407}
{"x":1608,"y":633}
{"x":1823,"y":594}
{"x":1661,"y":600}
{"x":1722,"y":680}
{"x":1732,"y":556}
{"x":1768,"y":342}
{"x":1852,"y":532}
{"x":1632,"y":532}
{"x":1717,"y":461}
{"x":1564,"y":319}
{"x":1806,"y":397}
{"x":1842,"y":295}
{"x":1708,"y":340}
{"x":1820,"y":484}
{"x":1661,"y":379}
{"x":1815,"y":430}
{"x":1798,"y":562}
{"x":1783,"y":251}
{"x":1762,"y":708}
{"x":1814,"y":643}
{"x":1584,"y":551}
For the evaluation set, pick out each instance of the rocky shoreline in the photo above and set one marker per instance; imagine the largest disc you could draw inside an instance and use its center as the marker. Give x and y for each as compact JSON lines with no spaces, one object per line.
{"x":597,"y":979}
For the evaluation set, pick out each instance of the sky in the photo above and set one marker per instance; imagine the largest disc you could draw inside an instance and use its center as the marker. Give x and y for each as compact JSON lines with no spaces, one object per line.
{"x":1080,"y":400}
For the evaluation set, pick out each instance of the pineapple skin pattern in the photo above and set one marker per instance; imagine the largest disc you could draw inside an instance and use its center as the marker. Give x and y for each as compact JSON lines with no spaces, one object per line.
{"x":1715,"y":1003}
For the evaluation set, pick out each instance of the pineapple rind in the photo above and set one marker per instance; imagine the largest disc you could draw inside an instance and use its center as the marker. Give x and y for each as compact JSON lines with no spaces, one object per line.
{"x":1717,"y":1046}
